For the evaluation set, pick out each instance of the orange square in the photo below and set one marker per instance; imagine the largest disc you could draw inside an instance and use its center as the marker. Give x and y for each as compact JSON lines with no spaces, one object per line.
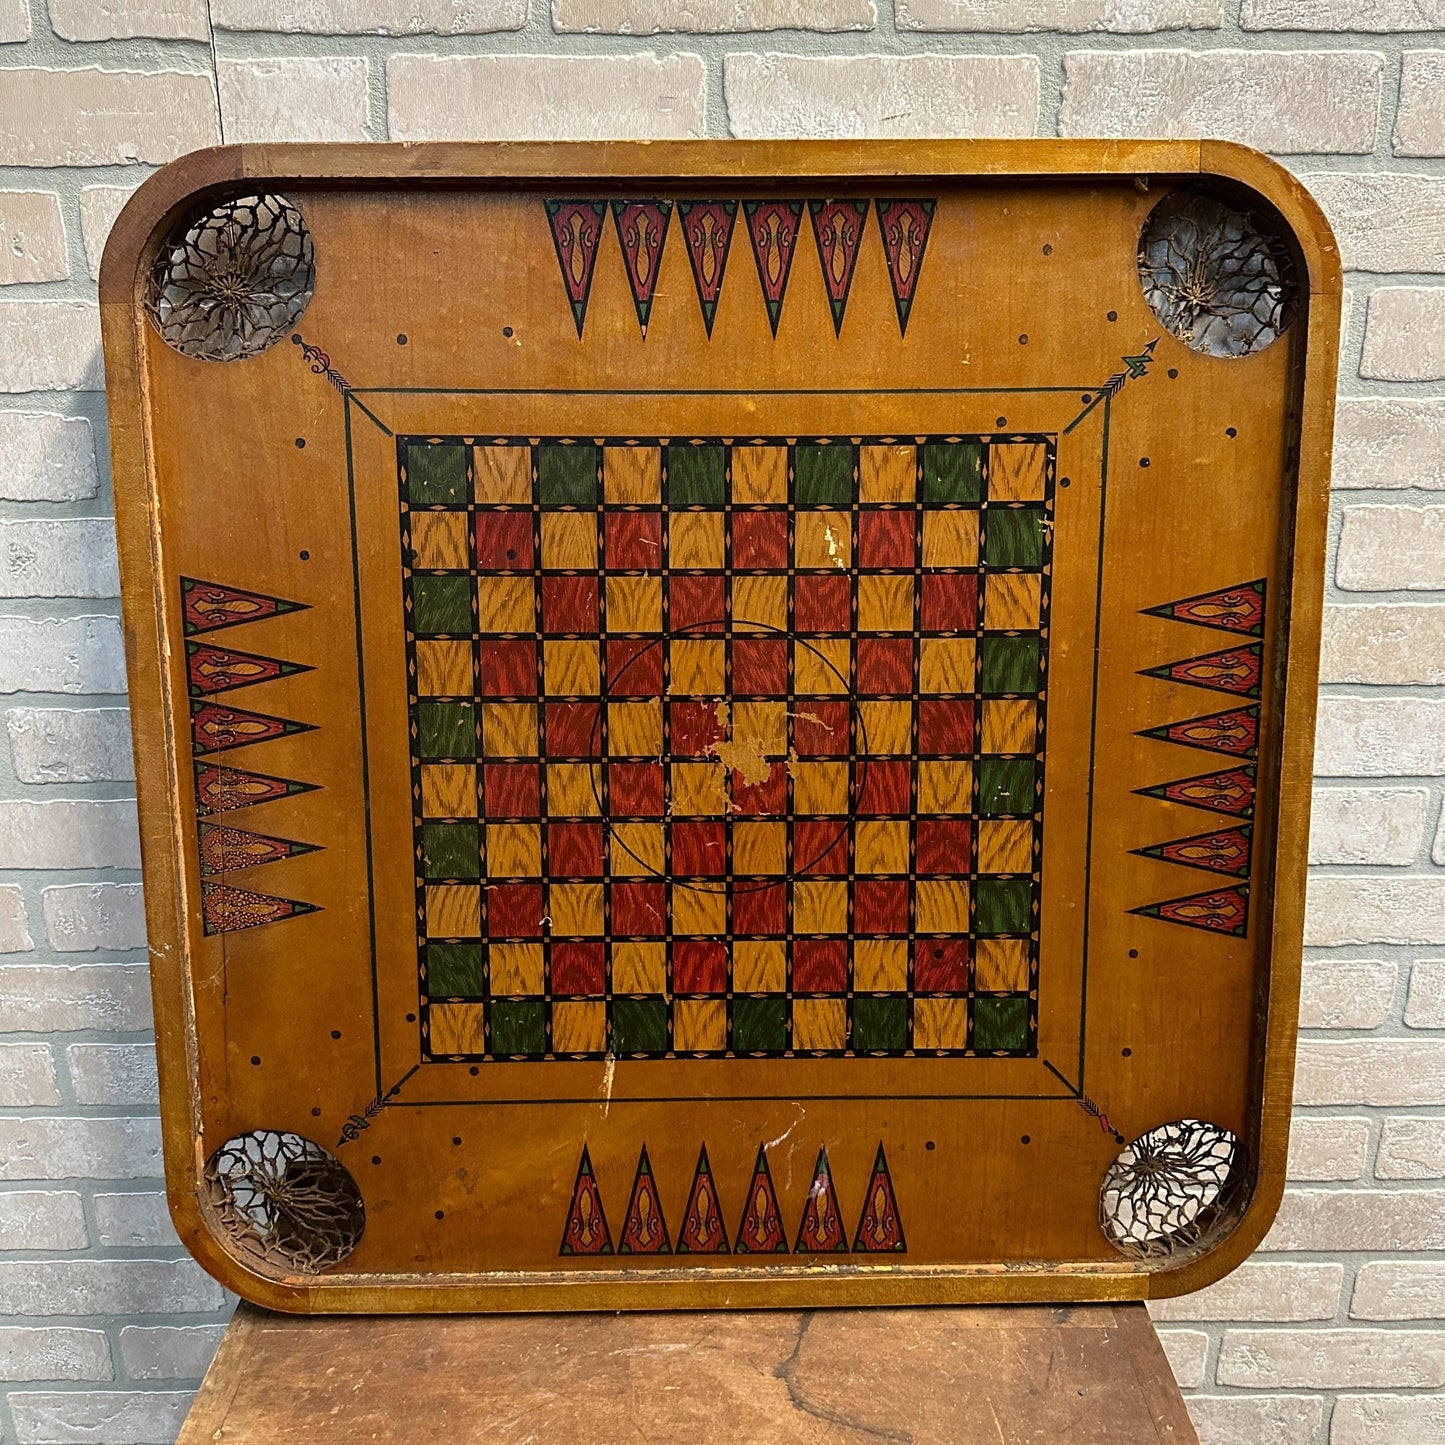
{"x":575,"y":909}
{"x":940,"y":1023}
{"x":569,"y":540}
{"x":889,"y":727}
{"x":636,"y":850}
{"x":448,"y":790}
{"x":820,"y":907}
{"x":945,"y":664}
{"x":514,"y":850}
{"x":700,"y":1026}
{"x":634,"y":604}
{"x":945,"y":787}
{"x":760,"y":474}
{"x":639,"y":968}
{"x":940,"y":903}
{"x":820,"y":788}
{"x":760,"y":848}
{"x":950,"y":539}
{"x":509,"y":730}
{"x":1012,"y":601}
{"x":439,"y":541}
{"x":1016,"y":471}
{"x":698,"y":912}
{"x":1005,"y":845}
{"x":880,"y":846}
{"x":822,"y":540}
{"x":456,"y":1028}
{"x":885,"y":603}
{"x":888,"y":473}
{"x":1001,"y":965}
{"x":444,"y":669}
{"x":880,"y":965}
{"x":579,"y":1027}
{"x":507,"y":604}
{"x":631,"y":475}
{"x":453,"y":910}
{"x":698,"y":666}
{"x":571,"y":668}
{"x":571,"y":790}
{"x":820,"y":1024}
{"x":760,"y":965}
{"x":695,"y":540}
{"x":760,"y":599}
{"x":822,"y":665}
{"x":699,"y":790}
{"x":503,"y":474}
{"x":515,"y":968}
{"x":634,"y":729}
{"x":1010,"y":725}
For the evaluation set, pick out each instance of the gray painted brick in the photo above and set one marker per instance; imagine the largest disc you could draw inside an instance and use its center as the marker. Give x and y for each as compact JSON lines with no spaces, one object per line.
{"x":46,"y":458}
{"x":53,"y":1353}
{"x":52,"y":654}
{"x":1384,"y":643}
{"x":1385,"y":222}
{"x":113,"y":1416}
{"x":1390,"y":548}
{"x":370,"y":17}
{"x":113,"y":1074}
{"x":168,"y":1352}
{"x":1382,"y":441}
{"x":1350,"y":994}
{"x":48,"y":1147}
{"x":1261,"y":1291}
{"x":1327,"y":1148}
{"x":82,"y":917}
{"x":1370,"y":1071}
{"x":1420,"y":120}
{"x":14,"y":921}
{"x":1380,"y":737}
{"x":133,"y":1221}
{"x":1399,"y":1290}
{"x":47,"y":345}
{"x":33,"y":237}
{"x":99,"y":206}
{"x":1425,"y":1007}
{"x":51,"y":998}
{"x":1388,"y":1420}
{"x":70,"y":557}
{"x":129,"y":19}
{"x":106,"y":1287}
{"x":1368,"y":825}
{"x":1405,"y":334}
{"x":42,"y":1219}
{"x":27,"y":1075}
{"x":70,"y":745}
{"x":1012,"y":16}
{"x":1332,"y":1221}
{"x":14,"y":22}
{"x":67,"y":833}
{"x":1329,"y":1359}
{"x":1411,"y":1149}
{"x":1186,"y":1351}
{"x":700,"y":17}
{"x":1262,"y":1420}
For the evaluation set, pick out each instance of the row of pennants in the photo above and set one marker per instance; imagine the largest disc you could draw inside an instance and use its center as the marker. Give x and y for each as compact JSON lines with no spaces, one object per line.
{"x":773,"y":228}
{"x":1237,"y":670}
{"x":760,"y":1230}
{"x":207,"y":607}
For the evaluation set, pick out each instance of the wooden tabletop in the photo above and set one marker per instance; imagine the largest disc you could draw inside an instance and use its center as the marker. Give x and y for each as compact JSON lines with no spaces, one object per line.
{"x":1014,"y":1374}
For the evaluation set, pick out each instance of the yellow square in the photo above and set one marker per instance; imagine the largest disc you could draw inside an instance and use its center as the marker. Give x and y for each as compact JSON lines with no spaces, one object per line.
{"x":694,"y":540}
{"x":888,"y":473}
{"x":579,"y":1027}
{"x":1005,"y":845}
{"x":453,"y":910}
{"x":760,"y":599}
{"x":516,"y":968}
{"x":822,"y":665}
{"x":820,"y":907}
{"x":575,"y":908}
{"x":507,"y":604}
{"x":945,"y":664}
{"x":639,"y":968}
{"x":760,"y":965}
{"x":456,"y":1028}
{"x":1011,"y":601}
{"x":571,"y":668}
{"x":885,"y":604}
{"x":950,"y":539}
{"x":698,"y":667}
{"x":940,"y":1023}
{"x":762,"y":727}
{"x":634,"y":729}
{"x":760,"y":474}
{"x":945,"y":787}
{"x":1016,"y":471}
{"x":820,"y":788}
{"x":634,"y":604}
{"x":503,"y":474}
{"x":1010,"y":725}
{"x":439,"y":541}
{"x":880,"y":846}
{"x":889,"y":726}
{"x":760,"y":848}
{"x":569,"y":540}
{"x":822,"y":539}
{"x":700,"y":1026}
{"x":636,"y":850}
{"x":514,"y":850}
{"x":699,"y":790}
{"x":444,"y":669}
{"x":448,"y":790}
{"x":571,"y":790}
{"x":1001,"y":965}
{"x":880,"y":965}
{"x":698,"y":912}
{"x":509,"y":730}
{"x":820,"y":1024}
{"x":631,"y":474}
{"x":940,"y":904}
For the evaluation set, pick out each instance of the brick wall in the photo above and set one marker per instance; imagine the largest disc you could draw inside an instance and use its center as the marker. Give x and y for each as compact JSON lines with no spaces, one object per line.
{"x":1335,"y":1332}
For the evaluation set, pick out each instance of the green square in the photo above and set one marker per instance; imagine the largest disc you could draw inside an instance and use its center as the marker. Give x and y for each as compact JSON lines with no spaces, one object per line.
{"x":454,"y":970}
{"x":1006,"y":788}
{"x":441,"y":605}
{"x":822,"y":476}
{"x":952,"y":472}
{"x":451,"y":850}
{"x":1005,"y":905}
{"x":1001,"y":1023}
{"x":639,"y":1026}
{"x":1014,"y":537}
{"x":446,"y":730}
{"x":1011,"y":666}
{"x":436,"y":472}
{"x":519,"y":1026}
{"x":880,"y":1023}
{"x":760,"y":1025}
{"x":696,"y":476}
{"x":567,"y":475}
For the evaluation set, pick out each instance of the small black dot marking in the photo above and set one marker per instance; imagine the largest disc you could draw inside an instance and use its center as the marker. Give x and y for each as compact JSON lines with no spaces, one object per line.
{"x":376,"y":1158}
{"x":411,"y":1018}
{"x":255,"y":1058}
{"x":1001,"y":421}
{"x":335,"y":1033}
{"x":1113,"y":316}
{"x":929,"y":1144}
{"x":511,"y":554}
{"x":1133,"y":953}
{"x":1026,"y":1139}
{"x":441,"y":1214}
{"x":1024,"y":339}
{"x":316,"y":1113}
{"x":1065,"y":481}
{"x":1143,"y":461}
{"x":474,"y":1071}
{"x":1173,"y":373}
{"x":1048,"y":250}
{"x":401,"y":338}
{"x":1229,"y":431}
{"x":300,"y":442}
{"x":456,"y":1139}
{"x":1087,"y":397}
{"x":304,"y":555}
{"x":506,"y":331}
{"x":1127,"y":1053}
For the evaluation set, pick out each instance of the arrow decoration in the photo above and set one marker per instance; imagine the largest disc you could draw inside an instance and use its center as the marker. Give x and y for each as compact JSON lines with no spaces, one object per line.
{"x":212,"y":669}
{"x":1229,"y":792}
{"x":838,"y":229}
{"x":904,"y":226}
{"x":820,"y":1231}
{"x":1231,"y":609}
{"x":761,"y":1228}
{"x":707,"y":233}
{"x":227,"y":850}
{"x":1225,"y":911}
{"x":215,"y":728}
{"x":221,"y":789}
{"x":1223,"y":852}
{"x":577,"y":235}
{"x":642,"y":231}
{"x":229,"y":910}
{"x":1235,"y":732}
{"x":645,"y":1230}
{"x":1237,"y":670}
{"x":880,"y":1230}
{"x":773,"y":232}
{"x":209,"y":606}
{"x":586,"y":1229}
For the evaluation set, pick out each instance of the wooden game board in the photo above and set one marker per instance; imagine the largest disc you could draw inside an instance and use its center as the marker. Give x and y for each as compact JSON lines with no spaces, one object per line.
{"x":697,"y":702}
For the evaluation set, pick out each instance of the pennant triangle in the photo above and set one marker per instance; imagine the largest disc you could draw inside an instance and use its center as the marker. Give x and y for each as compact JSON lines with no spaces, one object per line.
{"x":707,"y":232}
{"x":215,"y":728}
{"x":217,"y":669}
{"x":1225,"y":911}
{"x":1229,"y":792}
{"x":229,"y":910}
{"x":773,"y":232}
{"x":227,"y":850}
{"x":577,"y":235}
{"x":761,"y":1229}
{"x":208,"y":606}
{"x":586,"y":1229}
{"x":1235,"y":670}
{"x":904,"y":226}
{"x":645,"y":1230}
{"x":820,"y":1231}
{"x":220,"y":789}
{"x":703,"y":1230}
{"x":838,"y":229}
{"x":1231,"y":609}
{"x":880,"y":1231}
{"x":642,"y":231}
{"x":1235,"y":732}
{"x":1224,"y":852}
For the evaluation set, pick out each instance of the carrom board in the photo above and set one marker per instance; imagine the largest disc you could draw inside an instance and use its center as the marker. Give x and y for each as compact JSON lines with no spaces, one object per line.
{"x":722,"y":724}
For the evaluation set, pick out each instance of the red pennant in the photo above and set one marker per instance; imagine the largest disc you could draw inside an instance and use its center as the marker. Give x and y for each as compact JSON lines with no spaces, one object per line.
{"x":1226,"y":911}
{"x":838,"y":229}
{"x":761,"y":1228}
{"x":880,"y":1230}
{"x":642,"y":230}
{"x":1231,"y":792}
{"x":773,"y":231}
{"x":904,"y":226}
{"x":1235,"y":732}
{"x":1231,"y":609}
{"x":215,"y":728}
{"x":220,"y":789}
{"x":1235,"y":670}
{"x":227,"y":850}
{"x":208,"y":606}
{"x":217,"y":669}
{"x":586,"y":1229}
{"x":577,"y":234}
{"x":1224,"y":852}
{"x":645,"y":1230}
{"x":820,"y":1231}
{"x":703,"y":1230}
{"x":229,"y":910}
{"x":707,"y":232}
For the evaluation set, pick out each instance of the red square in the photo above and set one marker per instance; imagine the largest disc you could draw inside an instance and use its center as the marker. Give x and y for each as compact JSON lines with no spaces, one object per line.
{"x":760,"y":666}
{"x":579,"y":968}
{"x":758,"y":799}
{"x":695,"y":601}
{"x":885,"y":788}
{"x":950,"y":602}
{"x":632,"y":541}
{"x":511,"y":790}
{"x":943,"y":845}
{"x":569,"y":604}
{"x":887,"y":539}
{"x":940,"y":965}
{"x":880,"y":905}
{"x":634,"y":790}
{"x":945,"y":728}
{"x":504,"y":541}
{"x":574,"y":850}
{"x":693,"y":728}
{"x":639,"y":910}
{"x":699,"y":850}
{"x":822,"y":604}
{"x":760,"y":911}
{"x":699,"y":966}
{"x":820,"y":729}
{"x":573,"y":730}
{"x":514,"y":910}
{"x":885,"y":666}
{"x":820,"y":847}
{"x":760,"y":541}
{"x":634,"y":667}
{"x":509,"y":668}
{"x":820,"y":965}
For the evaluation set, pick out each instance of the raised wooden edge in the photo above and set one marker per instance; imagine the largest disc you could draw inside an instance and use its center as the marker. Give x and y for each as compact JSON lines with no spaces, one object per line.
{"x":127,"y":256}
